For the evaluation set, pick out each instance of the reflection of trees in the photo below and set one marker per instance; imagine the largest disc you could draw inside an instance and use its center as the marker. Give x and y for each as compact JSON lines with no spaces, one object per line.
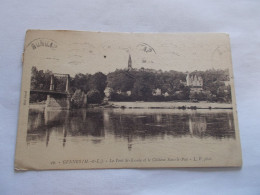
{"x":146,"y":126}
{"x":152,"y":126}
{"x":64,"y":123}
{"x":197,"y":125}
{"x":35,"y":120}
{"x":127,"y":126}
{"x":86,"y":123}
{"x":216,"y":125}
{"x":41,"y":124}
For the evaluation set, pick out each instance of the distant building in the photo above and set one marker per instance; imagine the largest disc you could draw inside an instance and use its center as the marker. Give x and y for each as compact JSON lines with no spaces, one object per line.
{"x":227,"y":83}
{"x":157,"y":92}
{"x":108,"y":92}
{"x":130,"y":63}
{"x":194,"y":81}
{"x":166,"y":94}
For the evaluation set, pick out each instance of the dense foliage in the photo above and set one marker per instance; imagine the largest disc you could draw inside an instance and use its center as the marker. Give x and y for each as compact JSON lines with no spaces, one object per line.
{"x":143,"y":82}
{"x":137,"y":85}
{"x":79,"y":85}
{"x":88,"y":82}
{"x":39,"y":80}
{"x":77,"y":99}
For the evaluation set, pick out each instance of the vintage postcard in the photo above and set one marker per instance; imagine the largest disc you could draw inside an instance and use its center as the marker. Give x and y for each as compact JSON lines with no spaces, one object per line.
{"x":92,"y":100}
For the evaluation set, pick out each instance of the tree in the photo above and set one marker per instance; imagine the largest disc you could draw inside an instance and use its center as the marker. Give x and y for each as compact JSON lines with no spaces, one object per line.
{"x":94,"y":97}
{"x":185,"y":93}
{"x":142,"y":90}
{"x":98,"y":82}
{"x":78,"y":99}
{"x":81,"y":81}
{"x":126,"y":80}
{"x":39,"y":80}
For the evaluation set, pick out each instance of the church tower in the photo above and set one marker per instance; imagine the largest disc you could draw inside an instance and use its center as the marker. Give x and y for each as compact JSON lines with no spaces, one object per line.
{"x":130,"y":63}
{"x":188,"y":80}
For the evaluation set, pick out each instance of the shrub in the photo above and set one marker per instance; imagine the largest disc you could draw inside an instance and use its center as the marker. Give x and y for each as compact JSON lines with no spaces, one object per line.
{"x":94,"y":97}
{"x":78,"y":99}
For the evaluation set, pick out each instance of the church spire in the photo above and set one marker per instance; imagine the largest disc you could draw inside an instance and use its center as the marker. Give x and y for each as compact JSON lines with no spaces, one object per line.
{"x":130,"y":63}
{"x":188,"y":80}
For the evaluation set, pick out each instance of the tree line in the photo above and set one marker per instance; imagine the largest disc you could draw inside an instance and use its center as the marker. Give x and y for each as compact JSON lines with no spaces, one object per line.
{"x":140,"y":83}
{"x":92,"y":86}
{"x":172,"y":85}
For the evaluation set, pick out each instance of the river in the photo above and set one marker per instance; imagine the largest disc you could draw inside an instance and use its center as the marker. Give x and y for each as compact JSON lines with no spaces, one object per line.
{"x":102,"y":128}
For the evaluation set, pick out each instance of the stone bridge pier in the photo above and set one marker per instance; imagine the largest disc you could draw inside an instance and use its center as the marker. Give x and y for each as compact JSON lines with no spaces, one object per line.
{"x":57,"y":100}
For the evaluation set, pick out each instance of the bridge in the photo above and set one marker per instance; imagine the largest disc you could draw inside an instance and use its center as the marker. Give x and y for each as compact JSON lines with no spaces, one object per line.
{"x":57,"y":99}
{"x":48,"y":92}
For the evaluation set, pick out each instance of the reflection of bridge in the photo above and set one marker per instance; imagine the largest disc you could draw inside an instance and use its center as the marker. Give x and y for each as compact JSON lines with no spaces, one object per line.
{"x":56,"y":98}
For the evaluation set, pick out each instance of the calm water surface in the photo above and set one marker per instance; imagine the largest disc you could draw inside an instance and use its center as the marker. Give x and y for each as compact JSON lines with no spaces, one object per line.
{"x":126,"y":125}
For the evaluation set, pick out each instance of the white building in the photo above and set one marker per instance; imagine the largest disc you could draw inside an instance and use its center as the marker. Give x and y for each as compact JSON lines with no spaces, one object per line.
{"x":194,"y":81}
{"x":166,"y":94}
{"x":108,"y":91}
{"x":157,"y":92}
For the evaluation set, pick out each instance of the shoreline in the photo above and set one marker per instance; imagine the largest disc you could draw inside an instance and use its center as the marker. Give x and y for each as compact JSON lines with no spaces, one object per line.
{"x":150,"y":105}
{"x":169,"y":105}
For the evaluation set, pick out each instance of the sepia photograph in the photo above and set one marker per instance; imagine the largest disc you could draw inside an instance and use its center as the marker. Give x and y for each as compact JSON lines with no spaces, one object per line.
{"x":130,"y":97}
{"x":119,"y":100}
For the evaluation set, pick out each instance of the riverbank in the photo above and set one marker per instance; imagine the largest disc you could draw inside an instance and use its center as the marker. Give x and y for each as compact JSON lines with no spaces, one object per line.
{"x":169,"y":105}
{"x":152,"y":105}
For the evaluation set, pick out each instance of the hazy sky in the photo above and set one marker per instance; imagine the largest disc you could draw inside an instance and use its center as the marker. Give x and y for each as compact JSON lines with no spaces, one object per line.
{"x":86,"y":52}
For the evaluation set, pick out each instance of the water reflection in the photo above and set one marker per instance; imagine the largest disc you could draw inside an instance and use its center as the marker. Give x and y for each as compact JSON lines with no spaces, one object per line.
{"x":127,"y":125}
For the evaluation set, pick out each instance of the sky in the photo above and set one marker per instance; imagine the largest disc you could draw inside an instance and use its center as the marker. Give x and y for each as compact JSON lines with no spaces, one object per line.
{"x":73,"y":52}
